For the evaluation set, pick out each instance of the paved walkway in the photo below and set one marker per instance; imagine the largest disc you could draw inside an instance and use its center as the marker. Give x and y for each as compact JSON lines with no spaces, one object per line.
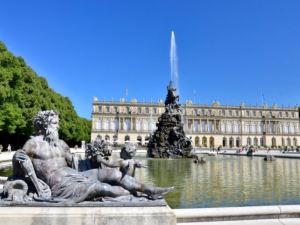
{"x":260,"y":215}
{"x":288,"y":221}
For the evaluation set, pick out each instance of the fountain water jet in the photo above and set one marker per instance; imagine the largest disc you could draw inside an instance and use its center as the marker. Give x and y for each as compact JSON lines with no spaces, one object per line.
{"x":173,"y":62}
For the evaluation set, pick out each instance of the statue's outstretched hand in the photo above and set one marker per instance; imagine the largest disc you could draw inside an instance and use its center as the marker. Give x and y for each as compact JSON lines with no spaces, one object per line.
{"x":140,"y":165}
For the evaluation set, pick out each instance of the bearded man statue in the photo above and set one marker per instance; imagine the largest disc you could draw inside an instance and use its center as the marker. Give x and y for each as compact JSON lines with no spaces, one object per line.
{"x":45,"y":164}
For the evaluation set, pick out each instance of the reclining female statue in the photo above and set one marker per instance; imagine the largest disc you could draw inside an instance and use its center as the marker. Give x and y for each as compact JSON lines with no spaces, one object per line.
{"x":46,"y":160}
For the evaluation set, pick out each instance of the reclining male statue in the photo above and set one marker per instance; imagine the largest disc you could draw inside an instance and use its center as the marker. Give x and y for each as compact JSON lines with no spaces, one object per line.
{"x":46,"y":160}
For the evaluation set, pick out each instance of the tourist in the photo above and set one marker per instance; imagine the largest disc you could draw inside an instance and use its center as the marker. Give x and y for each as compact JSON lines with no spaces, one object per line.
{"x":1,"y":148}
{"x":9,"y":148}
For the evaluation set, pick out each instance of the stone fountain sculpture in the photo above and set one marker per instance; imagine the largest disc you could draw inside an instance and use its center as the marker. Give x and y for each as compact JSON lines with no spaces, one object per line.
{"x":127,"y":163}
{"x":94,"y":151}
{"x":42,"y":172}
{"x":169,"y":139}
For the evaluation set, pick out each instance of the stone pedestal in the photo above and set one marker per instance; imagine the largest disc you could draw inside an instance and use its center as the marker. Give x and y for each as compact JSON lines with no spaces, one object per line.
{"x":157,"y":215}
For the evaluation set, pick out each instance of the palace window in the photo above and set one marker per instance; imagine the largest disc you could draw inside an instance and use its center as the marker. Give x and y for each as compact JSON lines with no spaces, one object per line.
{"x":255,"y":141}
{"x":116,"y":126}
{"x":289,"y":142}
{"x":138,"y":124}
{"x":107,"y":109}
{"x":100,"y":108}
{"x":203,"y":126}
{"x":249,"y":141}
{"x":106,"y":124}
{"x":112,"y":124}
{"x":253,"y":128}
{"x":145,"y":125}
{"x":147,"y":110}
{"x":98,"y":124}
{"x":247,"y":127}
{"x":229,"y":127}
{"x":127,"y":124}
{"x":261,"y":141}
{"x":235,"y":127}
{"x":292,"y":128}
{"x":154,"y":110}
{"x":285,"y":128}
{"x":139,"y":110}
{"x":196,"y":125}
{"x":210,"y":126}
{"x":222,"y":127}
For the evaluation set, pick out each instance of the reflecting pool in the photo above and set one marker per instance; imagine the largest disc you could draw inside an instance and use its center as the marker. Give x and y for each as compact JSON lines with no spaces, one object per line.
{"x":223,"y":181}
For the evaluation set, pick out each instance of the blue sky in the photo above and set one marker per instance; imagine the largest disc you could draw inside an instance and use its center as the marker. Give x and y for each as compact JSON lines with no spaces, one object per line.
{"x":230,"y":51}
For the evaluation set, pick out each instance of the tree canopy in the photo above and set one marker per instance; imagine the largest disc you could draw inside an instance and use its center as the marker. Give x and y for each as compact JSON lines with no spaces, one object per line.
{"x":22,"y":94}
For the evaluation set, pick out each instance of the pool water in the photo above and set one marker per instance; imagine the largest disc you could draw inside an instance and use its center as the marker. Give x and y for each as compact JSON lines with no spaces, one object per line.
{"x":225,"y":181}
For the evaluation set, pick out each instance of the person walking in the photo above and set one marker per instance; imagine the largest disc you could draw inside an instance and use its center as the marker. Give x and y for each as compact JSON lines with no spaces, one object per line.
{"x":9,"y":148}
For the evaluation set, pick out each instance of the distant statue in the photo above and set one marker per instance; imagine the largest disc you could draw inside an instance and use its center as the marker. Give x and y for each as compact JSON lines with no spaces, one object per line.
{"x":9,"y":148}
{"x":98,"y":148}
{"x":171,"y":102}
{"x":45,"y":162}
{"x":199,"y":161}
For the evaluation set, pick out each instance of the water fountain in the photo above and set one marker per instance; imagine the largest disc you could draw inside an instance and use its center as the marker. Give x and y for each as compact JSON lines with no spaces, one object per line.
{"x":169,"y":139}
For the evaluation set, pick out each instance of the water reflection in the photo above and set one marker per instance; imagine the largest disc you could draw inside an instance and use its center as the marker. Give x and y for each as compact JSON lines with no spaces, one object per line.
{"x":225,"y":181}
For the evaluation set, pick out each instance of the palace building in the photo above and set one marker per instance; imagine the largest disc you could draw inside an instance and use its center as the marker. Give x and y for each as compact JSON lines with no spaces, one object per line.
{"x":207,"y":125}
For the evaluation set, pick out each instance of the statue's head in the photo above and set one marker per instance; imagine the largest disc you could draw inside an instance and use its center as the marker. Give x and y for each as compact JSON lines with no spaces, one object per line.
{"x":171,"y":86}
{"x":46,"y":124}
{"x":128,"y":151}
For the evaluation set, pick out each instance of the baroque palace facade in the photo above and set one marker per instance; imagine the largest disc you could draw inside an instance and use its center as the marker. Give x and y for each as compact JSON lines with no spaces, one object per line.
{"x":207,"y":125}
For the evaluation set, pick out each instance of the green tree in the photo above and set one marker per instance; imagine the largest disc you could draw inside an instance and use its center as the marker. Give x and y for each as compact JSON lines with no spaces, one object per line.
{"x":22,"y":94}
